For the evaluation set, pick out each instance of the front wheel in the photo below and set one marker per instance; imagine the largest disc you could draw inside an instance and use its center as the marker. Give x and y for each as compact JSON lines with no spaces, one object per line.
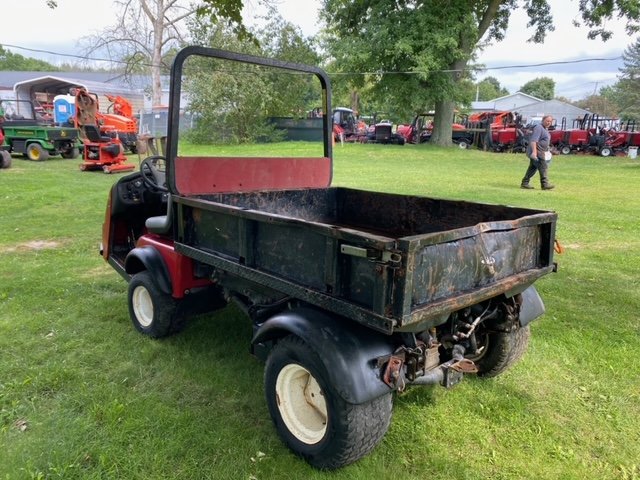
{"x":153,"y":312}
{"x":311,"y":417}
{"x":500,"y":350}
{"x":605,"y":152}
{"x":565,"y":150}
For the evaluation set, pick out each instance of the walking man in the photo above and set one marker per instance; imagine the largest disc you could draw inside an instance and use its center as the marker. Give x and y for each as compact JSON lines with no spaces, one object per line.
{"x":539,"y":154}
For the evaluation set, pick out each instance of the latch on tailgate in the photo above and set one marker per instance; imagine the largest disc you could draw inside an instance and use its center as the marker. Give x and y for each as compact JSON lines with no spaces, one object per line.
{"x":384,"y":256}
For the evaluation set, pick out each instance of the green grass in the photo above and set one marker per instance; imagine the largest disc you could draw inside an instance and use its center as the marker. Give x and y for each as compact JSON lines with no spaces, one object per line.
{"x":82,"y":395}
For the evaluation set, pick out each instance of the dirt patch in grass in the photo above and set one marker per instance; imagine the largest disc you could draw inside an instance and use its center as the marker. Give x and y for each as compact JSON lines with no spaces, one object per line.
{"x":33,"y":245}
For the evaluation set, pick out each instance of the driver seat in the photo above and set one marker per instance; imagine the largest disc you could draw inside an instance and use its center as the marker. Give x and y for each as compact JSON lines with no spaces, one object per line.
{"x":161,"y":224}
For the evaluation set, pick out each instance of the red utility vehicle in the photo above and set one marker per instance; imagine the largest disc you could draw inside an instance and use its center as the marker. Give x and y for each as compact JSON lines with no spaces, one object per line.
{"x":352,"y":295}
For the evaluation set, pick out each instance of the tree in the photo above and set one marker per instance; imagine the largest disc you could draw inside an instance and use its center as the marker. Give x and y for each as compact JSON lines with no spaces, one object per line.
{"x":543,"y":88}
{"x":419,"y":51}
{"x":490,"y":88}
{"x":14,"y":61}
{"x":233,"y":102}
{"x":627,"y":90}
{"x":146,"y":30}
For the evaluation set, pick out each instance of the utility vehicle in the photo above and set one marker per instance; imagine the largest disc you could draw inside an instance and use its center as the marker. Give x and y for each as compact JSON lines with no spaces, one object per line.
{"x":353,"y":295}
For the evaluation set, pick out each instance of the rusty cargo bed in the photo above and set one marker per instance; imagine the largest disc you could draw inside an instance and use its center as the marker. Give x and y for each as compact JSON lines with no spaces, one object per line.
{"x":391,"y":262}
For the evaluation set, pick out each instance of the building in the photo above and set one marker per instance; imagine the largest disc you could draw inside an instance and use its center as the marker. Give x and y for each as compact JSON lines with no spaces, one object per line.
{"x":43,"y":86}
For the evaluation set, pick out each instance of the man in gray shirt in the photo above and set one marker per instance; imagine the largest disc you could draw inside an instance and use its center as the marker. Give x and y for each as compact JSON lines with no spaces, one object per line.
{"x":539,"y":154}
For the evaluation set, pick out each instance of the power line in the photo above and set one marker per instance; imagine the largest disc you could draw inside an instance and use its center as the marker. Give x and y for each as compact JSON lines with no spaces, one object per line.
{"x":379,"y":72}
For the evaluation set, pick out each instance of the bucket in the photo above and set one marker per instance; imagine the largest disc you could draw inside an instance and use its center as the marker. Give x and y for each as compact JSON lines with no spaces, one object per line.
{"x":633,"y":152}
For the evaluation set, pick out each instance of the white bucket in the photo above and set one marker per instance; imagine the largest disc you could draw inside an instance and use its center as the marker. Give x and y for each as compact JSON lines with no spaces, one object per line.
{"x":633,"y":152}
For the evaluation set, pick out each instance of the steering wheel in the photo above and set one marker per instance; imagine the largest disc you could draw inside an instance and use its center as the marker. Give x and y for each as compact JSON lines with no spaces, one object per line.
{"x":153,"y":173}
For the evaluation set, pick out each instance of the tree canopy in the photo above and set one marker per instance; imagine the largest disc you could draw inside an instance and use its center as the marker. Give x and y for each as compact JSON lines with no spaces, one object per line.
{"x":14,"y":61}
{"x":543,"y":88}
{"x":627,"y":91}
{"x":420,"y":52}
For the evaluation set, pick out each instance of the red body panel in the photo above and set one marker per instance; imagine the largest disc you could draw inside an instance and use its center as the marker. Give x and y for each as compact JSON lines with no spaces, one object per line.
{"x":202,"y":175}
{"x":180,"y":267}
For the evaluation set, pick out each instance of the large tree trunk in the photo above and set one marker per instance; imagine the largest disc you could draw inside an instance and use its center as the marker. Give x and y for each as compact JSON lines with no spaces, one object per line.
{"x":442,"y":123}
{"x":443,"y":116}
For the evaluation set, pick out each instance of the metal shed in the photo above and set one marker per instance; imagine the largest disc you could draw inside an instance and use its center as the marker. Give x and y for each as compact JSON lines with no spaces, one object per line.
{"x":54,"y":85}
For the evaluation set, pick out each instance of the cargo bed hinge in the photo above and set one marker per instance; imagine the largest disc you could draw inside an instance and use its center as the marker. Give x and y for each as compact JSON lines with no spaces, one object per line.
{"x":384,"y":256}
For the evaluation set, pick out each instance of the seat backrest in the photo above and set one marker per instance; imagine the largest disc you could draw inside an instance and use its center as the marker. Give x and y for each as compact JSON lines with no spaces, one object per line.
{"x":92,"y":133}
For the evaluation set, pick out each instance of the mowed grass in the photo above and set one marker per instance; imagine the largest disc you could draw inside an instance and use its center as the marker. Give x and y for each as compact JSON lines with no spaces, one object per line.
{"x":82,"y":395}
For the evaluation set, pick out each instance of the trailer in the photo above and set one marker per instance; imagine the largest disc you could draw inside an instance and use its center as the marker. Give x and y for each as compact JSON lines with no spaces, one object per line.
{"x":353,"y":295}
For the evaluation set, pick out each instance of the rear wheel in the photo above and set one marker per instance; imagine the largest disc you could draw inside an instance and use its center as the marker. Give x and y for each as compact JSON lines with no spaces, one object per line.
{"x":153,"y":312}
{"x":500,"y":350}
{"x":311,"y":417}
{"x":36,"y":153}
{"x":72,"y":153}
{"x":565,"y":150}
{"x":5,"y":159}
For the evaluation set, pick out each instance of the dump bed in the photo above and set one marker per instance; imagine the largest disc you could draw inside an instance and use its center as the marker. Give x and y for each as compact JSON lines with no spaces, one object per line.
{"x":392,"y":262}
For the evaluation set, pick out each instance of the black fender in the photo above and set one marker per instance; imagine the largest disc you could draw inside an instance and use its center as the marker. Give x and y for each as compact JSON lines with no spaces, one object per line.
{"x":348,"y":350}
{"x":531,"y":307}
{"x":149,"y":258}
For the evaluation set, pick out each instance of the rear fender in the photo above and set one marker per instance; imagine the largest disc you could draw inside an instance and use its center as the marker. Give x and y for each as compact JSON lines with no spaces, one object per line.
{"x":149,"y":258}
{"x":348,"y":351}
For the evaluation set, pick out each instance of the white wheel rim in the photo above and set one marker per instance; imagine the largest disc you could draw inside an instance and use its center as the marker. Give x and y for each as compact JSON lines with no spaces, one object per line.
{"x":142,"y":306}
{"x":301,"y":404}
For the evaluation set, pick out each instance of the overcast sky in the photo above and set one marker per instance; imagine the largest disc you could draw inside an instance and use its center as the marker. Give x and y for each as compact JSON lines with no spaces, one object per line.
{"x":28,"y":23}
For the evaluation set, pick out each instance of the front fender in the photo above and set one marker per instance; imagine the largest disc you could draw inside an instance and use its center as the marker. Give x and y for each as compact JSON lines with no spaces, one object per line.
{"x":348,"y":351}
{"x":149,"y":258}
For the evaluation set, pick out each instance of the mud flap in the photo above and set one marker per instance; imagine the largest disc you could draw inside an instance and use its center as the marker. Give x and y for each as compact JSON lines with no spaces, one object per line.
{"x":531,"y":307}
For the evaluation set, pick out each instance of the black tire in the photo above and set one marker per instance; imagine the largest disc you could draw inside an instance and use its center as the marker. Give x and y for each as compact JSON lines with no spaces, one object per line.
{"x":36,"y":153}
{"x":153,"y":312}
{"x":5,"y":160}
{"x":501,"y":350}
{"x":330,"y":433}
{"x":72,"y":153}
{"x":565,"y":150}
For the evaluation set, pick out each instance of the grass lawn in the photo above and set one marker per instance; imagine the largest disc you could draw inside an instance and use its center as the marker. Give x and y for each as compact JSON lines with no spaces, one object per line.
{"x":83,"y":396}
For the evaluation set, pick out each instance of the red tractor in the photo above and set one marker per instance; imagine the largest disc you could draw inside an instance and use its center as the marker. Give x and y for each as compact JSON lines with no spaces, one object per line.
{"x":421,"y":128}
{"x":346,"y":128}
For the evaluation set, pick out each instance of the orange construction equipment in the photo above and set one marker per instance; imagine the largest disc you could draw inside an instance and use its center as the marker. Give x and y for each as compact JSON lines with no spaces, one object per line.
{"x":119,"y":118}
{"x":100,"y":151}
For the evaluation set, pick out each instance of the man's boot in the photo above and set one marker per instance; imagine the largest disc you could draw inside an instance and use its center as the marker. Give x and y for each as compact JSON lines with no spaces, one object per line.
{"x":548,"y":186}
{"x":525,"y":184}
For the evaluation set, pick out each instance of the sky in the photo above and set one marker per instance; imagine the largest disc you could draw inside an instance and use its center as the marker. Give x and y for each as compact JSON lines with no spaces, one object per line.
{"x":73,"y":19}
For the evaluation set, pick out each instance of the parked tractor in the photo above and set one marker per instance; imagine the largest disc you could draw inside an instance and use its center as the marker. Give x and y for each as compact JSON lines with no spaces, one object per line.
{"x":421,"y":128}
{"x":346,"y":127}
{"x":381,"y":131}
